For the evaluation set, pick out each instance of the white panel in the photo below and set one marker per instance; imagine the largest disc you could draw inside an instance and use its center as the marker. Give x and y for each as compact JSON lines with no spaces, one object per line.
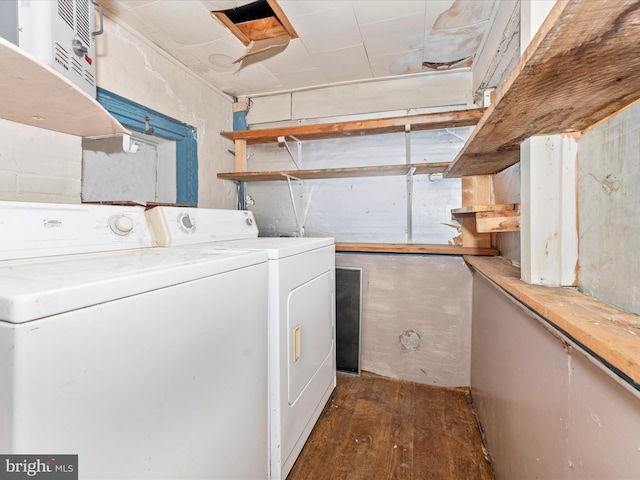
{"x":373,"y":11}
{"x":392,"y":94}
{"x":270,"y":109}
{"x":329,"y":30}
{"x":391,"y":36}
{"x":548,"y":226}
{"x":349,"y":63}
{"x":604,"y":425}
{"x":188,"y":23}
{"x":519,"y":384}
{"x":609,"y":204}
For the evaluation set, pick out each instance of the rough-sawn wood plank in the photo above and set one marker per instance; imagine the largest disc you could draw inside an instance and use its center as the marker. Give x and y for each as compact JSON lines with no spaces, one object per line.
{"x":582,"y":66}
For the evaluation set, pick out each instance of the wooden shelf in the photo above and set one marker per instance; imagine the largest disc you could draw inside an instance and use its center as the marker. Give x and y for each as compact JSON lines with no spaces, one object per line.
{"x":421,"y":248}
{"x":492,"y":218}
{"x":376,"y":126}
{"x":581,"y":67}
{"x":607,"y":331}
{"x":484,"y":208}
{"x":35,"y":94}
{"x":349,"y":172}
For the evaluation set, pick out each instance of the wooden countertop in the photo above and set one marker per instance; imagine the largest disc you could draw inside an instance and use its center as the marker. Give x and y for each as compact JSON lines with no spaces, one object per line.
{"x":610,"y":333}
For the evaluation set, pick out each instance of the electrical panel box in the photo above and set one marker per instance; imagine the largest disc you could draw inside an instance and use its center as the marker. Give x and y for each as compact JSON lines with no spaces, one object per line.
{"x":57,"y":32}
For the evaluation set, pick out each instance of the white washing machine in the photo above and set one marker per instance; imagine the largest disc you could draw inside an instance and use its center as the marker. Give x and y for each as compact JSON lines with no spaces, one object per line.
{"x":302,"y":368}
{"x":147,"y":363}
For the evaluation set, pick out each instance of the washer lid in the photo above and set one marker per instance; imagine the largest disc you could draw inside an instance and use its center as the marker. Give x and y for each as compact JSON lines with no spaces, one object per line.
{"x":279,"y":247}
{"x":37,"y":288}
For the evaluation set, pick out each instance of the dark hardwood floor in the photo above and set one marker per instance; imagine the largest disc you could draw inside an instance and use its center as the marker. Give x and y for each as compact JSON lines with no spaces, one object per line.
{"x":378,"y":428}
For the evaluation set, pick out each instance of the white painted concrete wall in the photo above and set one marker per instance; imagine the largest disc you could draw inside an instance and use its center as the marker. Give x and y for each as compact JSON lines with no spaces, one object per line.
{"x":609,"y":202}
{"x":416,"y":317}
{"x":547,"y":411}
{"x":37,"y":165}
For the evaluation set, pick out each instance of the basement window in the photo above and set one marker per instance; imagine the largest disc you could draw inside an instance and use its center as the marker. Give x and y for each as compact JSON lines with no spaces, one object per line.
{"x":259,"y":20}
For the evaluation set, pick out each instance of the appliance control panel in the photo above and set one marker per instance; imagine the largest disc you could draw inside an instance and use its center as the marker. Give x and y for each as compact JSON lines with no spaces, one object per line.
{"x":172,"y":226}
{"x":30,"y":230}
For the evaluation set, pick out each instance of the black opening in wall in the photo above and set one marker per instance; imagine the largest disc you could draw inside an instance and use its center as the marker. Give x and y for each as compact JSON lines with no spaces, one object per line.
{"x":348,"y":313}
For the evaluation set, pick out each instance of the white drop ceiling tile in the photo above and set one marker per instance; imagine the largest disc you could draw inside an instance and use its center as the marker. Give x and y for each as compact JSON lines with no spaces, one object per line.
{"x":297,"y":8}
{"x":187,"y":23}
{"x":184,"y":57}
{"x":254,"y":78}
{"x":163,"y":41}
{"x":397,"y":63}
{"x":219,"y":54}
{"x":373,"y":11}
{"x":131,"y":4}
{"x":436,"y":8}
{"x":212,"y":5}
{"x":294,"y":58}
{"x":397,"y":35}
{"x":301,"y":78}
{"x":454,"y":44}
{"x":342,"y":65}
{"x":328,"y":31}
{"x":123,"y":14}
{"x":352,"y":59}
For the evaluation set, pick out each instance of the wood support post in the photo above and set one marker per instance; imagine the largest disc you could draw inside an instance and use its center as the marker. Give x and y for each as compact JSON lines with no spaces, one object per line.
{"x":476,"y":190}
{"x":241,"y":155}
{"x":548,"y":223}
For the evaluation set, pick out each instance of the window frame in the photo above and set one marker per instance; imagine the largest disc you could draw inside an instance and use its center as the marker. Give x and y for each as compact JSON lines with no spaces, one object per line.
{"x":138,"y":118}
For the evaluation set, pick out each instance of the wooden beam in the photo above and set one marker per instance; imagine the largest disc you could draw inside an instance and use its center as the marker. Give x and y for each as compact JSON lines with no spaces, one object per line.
{"x":348,"y":172}
{"x":498,"y":221}
{"x":581,"y":67}
{"x":241,"y":156}
{"x":476,"y":190}
{"x":419,"y":248}
{"x":472,"y":209}
{"x":376,"y":126}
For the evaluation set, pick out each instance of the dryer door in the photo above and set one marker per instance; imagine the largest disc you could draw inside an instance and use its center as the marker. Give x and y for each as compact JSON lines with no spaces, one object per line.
{"x":310,"y":327}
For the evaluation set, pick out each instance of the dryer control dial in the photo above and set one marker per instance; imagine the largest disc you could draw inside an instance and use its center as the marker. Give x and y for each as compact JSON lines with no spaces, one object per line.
{"x":187,"y":222}
{"x":121,"y":224}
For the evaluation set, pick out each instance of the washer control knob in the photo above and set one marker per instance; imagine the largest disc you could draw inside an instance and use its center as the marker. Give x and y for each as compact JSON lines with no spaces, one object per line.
{"x":187,"y":221}
{"x":249,"y":221}
{"x":121,"y":224}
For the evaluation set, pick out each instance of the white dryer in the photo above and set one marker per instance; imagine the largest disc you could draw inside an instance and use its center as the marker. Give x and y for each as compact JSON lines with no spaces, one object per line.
{"x":145,"y":362}
{"x":302,"y":368}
